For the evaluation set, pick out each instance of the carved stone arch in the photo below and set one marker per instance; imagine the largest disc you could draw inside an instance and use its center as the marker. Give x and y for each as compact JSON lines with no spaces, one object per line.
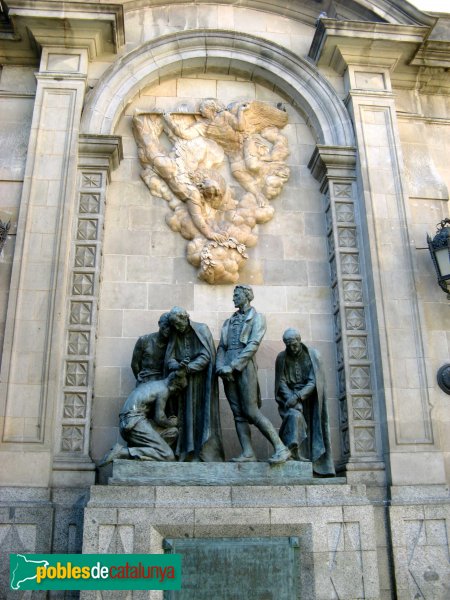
{"x":260,"y":59}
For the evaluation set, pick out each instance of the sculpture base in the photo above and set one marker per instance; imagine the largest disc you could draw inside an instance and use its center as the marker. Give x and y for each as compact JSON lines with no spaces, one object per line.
{"x":138,"y":472}
{"x":310,"y":541}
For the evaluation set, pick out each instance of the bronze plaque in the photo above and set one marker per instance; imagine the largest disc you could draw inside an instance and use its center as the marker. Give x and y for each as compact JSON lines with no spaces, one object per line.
{"x":237,"y":568}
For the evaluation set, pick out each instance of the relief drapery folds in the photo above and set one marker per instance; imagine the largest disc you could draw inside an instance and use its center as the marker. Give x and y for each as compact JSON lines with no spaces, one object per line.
{"x":218,"y":169}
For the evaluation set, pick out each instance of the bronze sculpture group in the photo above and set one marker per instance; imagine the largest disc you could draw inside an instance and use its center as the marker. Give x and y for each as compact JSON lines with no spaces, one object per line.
{"x":173,"y":413}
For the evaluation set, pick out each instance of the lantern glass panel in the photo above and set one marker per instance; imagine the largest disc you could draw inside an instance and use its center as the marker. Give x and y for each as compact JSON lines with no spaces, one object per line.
{"x":443,"y":261}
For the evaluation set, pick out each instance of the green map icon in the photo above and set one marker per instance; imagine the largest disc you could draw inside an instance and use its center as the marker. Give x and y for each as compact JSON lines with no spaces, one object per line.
{"x":23,"y":569}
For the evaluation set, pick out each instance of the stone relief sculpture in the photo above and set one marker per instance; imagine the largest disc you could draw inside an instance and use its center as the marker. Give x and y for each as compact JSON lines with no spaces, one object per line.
{"x":241,"y":336}
{"x":302,"y":404}
{"x":185,"y":158}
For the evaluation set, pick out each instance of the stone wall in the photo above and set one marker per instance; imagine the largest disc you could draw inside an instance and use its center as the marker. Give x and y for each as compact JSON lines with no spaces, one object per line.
{"x":288,"y":290}
{"x":424,"y":133}
{"x":17,"y":89}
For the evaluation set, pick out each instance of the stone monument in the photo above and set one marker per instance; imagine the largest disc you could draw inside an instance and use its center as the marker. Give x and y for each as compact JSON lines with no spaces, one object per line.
{"x":93,"y":258}
{"x":190,"y":391}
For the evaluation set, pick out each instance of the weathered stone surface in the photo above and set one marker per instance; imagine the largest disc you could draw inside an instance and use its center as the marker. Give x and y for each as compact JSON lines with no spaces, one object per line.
{"x":34,"y":521}
{"x":209,"y":208}
{"x":331,"y":540}
{"x":133,"y":472}
{"x":421,"y":549}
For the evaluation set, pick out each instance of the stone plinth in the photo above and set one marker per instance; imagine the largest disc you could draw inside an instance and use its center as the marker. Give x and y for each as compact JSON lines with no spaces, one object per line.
{"x":134,"y":472}
{"x":331,"y":524}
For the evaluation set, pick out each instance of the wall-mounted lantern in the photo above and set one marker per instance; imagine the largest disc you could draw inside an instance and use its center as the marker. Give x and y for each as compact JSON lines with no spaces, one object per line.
{"x":443,"y":378}
{"x":4,"y":228}
{"x":439,"y":248}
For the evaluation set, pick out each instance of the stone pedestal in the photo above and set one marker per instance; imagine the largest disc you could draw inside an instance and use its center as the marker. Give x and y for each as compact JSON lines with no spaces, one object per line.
{"x":135,"y":472}
{"x":331,"y":522}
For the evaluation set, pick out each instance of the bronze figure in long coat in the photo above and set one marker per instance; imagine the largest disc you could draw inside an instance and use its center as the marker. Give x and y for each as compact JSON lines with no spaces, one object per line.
{"x":191,"y":347}
{"x":302,"y":404}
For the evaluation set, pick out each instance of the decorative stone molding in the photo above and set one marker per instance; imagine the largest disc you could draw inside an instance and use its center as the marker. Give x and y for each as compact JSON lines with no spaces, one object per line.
{"x":415,"y":55}
{"x":259,"y":58}
{"x":32,"y":336}
{"x":334,"y":168}
{"x":98,"y":155}
{"x":392,"y":11}
{"x":96,"y":27}
{"x":400,"y":366}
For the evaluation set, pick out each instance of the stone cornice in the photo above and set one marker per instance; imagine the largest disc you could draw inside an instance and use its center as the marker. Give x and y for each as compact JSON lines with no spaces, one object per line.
{"x":430,"y":120}
{"x":100,"y":151}
{"x":333,"y":161}
{"x":379,"y":95}
{"x":398,"y":11}
{"x":10,"y":94}
{"x":433,"y":54}
{"x":98,"y":28}
{"x":60,"y":76}
{"x":392,"y":11}
{"x":418,"y":57}
{"x":337,"y":43}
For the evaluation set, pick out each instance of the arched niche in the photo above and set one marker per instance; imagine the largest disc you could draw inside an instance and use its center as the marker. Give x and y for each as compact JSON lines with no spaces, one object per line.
{"x":333,"y":165}
{"x":257,"y":58}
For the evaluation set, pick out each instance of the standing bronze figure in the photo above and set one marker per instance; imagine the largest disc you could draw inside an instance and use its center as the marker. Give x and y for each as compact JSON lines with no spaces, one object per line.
{"x":191,"y":349}
{"x":300,"y":393}
{"x":241,"y":336}
{"x":147,"y":362}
